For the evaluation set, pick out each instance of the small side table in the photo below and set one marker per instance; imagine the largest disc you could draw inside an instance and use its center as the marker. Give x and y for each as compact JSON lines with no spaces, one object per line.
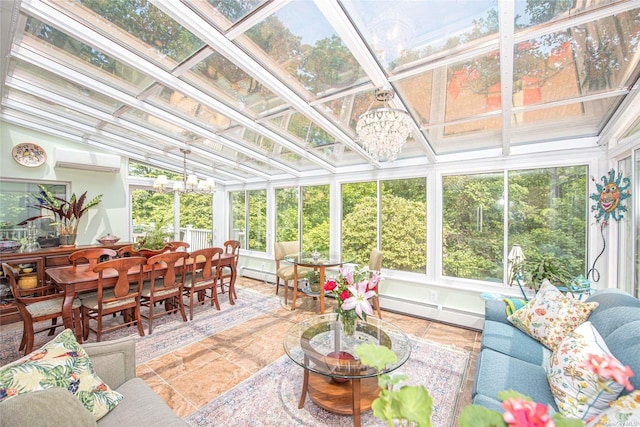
{"x":333,"y":377}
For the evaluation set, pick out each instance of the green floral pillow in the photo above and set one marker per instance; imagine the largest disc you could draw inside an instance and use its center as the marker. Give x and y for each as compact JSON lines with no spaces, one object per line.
{"x":61,"y":362}
{"x":551,"y":315}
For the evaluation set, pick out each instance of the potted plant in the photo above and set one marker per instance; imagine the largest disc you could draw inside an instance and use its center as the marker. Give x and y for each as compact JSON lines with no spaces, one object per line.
{"x":547,"y":267}
{"x":153,"y":242}
{"x":67,"y":213}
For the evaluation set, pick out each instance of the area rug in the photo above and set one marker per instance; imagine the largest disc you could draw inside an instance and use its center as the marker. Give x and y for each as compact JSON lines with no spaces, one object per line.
{"x":270,"y":397}
{"x":169,"y":332}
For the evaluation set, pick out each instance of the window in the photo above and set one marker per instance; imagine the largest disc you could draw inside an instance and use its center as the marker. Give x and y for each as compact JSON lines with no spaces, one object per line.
{"x":238,"y":221}
{"x":287,"y":214}
{"x":473,"y":226}
{"x":315,"y":218}
{"x":257,"y":220}
{"x":149,"y":210}
{"x":17,"y":200}
{"x":359,"y":221}
{"x":547,"y":216}
{"x":404,"y":224}
{"x":400,"y":223}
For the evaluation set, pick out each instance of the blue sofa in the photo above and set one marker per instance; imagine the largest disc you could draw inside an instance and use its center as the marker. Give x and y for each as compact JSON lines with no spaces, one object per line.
{"x":510,"y":359}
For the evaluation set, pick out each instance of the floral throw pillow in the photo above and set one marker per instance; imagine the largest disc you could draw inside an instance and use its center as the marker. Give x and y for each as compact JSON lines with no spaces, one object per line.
{"x":550,"y":316}
{"x":61,"y":362}
{"x":624,"y":412}
{"x":578,"y":392}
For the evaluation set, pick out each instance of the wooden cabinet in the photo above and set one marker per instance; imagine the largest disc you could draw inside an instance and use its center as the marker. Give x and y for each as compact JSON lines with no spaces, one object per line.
{"x":31,"y":267}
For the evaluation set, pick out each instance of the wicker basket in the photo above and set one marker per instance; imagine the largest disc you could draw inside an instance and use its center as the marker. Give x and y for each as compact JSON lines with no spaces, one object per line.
{"x":28,"y":282}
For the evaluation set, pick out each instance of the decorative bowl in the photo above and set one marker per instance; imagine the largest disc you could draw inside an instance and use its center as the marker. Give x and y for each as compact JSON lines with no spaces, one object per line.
{"x":27,"y":270}
{"x":9,"y":245}
{"x":109,"y":239}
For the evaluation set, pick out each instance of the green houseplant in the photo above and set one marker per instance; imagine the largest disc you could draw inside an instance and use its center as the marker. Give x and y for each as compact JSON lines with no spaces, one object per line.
{"x":67,"y":213}
{"x":153,"y":241}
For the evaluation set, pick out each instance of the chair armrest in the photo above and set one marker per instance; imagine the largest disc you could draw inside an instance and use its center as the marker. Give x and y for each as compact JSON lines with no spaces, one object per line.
{"x":114,"y":361}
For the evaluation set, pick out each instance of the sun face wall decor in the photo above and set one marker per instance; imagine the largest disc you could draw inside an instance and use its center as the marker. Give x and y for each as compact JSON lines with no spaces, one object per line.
{"x":610,"y":195}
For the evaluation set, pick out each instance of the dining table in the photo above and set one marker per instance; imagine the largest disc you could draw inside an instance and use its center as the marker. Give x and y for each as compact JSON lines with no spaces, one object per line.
{"x":74,"y":279}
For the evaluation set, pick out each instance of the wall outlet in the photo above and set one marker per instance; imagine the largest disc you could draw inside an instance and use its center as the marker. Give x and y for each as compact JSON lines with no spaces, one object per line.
{"x":433,"y":295}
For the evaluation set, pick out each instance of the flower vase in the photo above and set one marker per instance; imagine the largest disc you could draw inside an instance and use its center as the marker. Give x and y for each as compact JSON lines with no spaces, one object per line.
{"x":348,"y":325}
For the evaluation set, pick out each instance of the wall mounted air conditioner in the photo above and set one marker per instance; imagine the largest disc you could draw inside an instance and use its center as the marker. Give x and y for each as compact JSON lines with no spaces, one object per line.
{"x":86,"y":160}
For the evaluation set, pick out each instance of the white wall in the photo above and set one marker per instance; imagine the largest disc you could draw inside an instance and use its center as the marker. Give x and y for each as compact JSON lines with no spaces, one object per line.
{"x":110,"y":216}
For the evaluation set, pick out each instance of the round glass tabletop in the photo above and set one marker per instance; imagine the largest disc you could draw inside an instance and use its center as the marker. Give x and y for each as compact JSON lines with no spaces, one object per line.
{"x":319,"y":345}
{"x":316,"y":259}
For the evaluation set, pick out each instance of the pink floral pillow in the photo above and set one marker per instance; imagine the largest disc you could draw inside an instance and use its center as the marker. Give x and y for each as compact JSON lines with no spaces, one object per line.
{"x":551,"y":315}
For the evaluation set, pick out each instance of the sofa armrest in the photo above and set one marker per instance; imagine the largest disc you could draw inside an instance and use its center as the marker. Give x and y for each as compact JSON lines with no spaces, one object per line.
{"x":496,"y":310}
{"x":114,"y":361}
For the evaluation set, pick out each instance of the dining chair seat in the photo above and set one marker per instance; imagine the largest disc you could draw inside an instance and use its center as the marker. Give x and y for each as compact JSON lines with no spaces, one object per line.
{"x":164,"y":285}
{"x":202,"y":276}
{"x":286,"y":272}
{"x":123,"y":296}
{"x":50,"y":307}
{"x":39,"y":304}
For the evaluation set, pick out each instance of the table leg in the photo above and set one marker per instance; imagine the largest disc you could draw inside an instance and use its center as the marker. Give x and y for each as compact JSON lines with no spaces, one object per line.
{"x":322,"y":281}
{"x":305,"y":387}
{"x":295,"y":287}
{"x":232,"y":288}
{"x":355,"y":389}
{"x":67,"y":311}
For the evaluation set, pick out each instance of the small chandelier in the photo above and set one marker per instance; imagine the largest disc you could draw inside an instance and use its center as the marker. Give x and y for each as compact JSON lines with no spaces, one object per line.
{"x":189,"y":183}
{"x":384,"y":131}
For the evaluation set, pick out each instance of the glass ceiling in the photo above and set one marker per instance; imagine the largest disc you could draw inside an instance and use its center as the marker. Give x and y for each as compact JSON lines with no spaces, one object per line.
{"x":262,"y":90}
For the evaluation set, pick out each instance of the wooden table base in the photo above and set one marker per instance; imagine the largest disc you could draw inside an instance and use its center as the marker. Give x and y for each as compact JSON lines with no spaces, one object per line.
{"x":352,"y":397}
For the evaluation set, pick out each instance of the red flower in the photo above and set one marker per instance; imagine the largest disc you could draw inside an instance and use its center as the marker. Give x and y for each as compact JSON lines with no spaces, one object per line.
{"x":541,"y":311}
{"x":608,"y":367}
{"x":519,"y":412}
{"x":330,"y":285}
{"x":344,"y":295}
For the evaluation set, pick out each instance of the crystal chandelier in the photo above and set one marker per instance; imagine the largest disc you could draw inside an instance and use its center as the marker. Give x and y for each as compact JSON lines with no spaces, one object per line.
{"x":384,"y":131}
{"x":189,"y":183}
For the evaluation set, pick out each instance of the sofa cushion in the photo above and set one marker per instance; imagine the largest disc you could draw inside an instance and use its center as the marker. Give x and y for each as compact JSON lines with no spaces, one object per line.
{"x":497,"y":372}
{"x":62,"y":362}
{"x":141,"y":407}
{"x":580,"y":393}
{"x":550,"y":316}
{"x":55,"y":405}
{"x":624,"y":412}
{"x":624,"y":344}
{"x":608,"y":320}
{"x":508,"y":340}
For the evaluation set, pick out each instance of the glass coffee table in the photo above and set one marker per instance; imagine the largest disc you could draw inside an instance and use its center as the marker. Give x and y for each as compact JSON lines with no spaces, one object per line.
{"x":333,"y":377}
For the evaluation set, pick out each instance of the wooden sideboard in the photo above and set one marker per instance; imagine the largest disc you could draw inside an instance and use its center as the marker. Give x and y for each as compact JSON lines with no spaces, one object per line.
{"x":35,"y":263}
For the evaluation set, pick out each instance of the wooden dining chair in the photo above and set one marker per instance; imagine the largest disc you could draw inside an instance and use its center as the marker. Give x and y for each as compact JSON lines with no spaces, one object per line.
{"x":178,"y":246}
{"x":165,"y":285}
{"x":375,"y":264}
{"x":39,"y":304}
{"x":92,"y":256}
{"x":124,"y":296}
{"x":127,"y":251}
{"x":231,"y":247}
{"x":286,"y":272}
{"x":203,"y":274}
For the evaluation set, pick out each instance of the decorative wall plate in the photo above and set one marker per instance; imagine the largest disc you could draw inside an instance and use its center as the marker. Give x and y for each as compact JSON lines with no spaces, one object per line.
{"x":28,"y":154}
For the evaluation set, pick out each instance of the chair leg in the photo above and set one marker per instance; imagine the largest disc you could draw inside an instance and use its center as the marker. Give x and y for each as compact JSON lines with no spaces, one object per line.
{"x":214,"y":298}
{"x":77,"y":325}
{"x":377,"y":305}
{"x":28,"y":335}
{"x":181,"y":307}
{"x":150,"y":316}
{"x":277,"y":284}
{"x":85,"y":323}
{"x":136,"y":313}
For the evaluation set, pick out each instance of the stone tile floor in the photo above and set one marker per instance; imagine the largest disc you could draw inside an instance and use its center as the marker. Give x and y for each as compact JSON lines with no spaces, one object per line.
{"x":190,"y":377}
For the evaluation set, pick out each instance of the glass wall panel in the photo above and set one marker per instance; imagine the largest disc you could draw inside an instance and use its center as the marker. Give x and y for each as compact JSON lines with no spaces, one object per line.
{"x":404,"y":224}
{"x":286,"y":214}
{"x":196,"y":212}
{"x":315,"y":218}
{"x":238,"y":218}
{"x":359,"y":221}
{"x":637,"y":220}
{"x":473,"y":226}
{"x":150,"y":209}
{"x":548,"y":215}
{"x":257,"y":232}
{"x":625,"y":239}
